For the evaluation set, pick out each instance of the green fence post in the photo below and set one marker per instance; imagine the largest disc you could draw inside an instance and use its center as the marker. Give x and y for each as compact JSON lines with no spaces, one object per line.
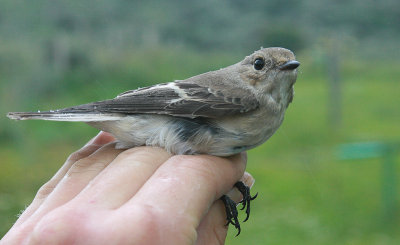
{"x":389,"y":197}
{"x":386,"y":152}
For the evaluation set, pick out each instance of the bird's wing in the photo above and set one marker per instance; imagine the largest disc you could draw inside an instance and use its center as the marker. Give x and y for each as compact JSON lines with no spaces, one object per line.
{"x":184,"y":99}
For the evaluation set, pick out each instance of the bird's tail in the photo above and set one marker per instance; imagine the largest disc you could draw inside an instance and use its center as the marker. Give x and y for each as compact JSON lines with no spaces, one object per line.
{"x":60,"y":115}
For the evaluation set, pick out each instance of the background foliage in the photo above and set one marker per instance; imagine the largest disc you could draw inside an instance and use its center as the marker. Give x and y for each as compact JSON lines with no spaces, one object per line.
{"x":55,"y":54}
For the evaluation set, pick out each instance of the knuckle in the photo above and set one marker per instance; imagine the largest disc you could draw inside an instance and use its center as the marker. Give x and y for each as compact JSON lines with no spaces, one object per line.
{"x":85,"y":165}
{"x":45,"y":190}
{"x":149,"y":217}
{"x":58,"y":227}
{"x":152,"y":220}
{"x":75,"y":156}
{"x":82,"y":153}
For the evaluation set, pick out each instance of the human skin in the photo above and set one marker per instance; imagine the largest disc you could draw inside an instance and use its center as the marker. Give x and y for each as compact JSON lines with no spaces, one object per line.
{"x":143,"y":195}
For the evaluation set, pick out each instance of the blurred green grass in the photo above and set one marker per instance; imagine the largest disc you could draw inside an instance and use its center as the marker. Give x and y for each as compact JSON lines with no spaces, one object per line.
{"x":306,"y":195}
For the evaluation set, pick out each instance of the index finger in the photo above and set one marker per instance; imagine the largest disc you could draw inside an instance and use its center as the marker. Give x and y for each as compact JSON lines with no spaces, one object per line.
{"x":184,"y":187}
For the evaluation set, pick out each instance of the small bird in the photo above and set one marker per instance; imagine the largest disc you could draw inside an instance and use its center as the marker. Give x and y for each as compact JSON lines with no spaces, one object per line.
{"x":220,"y":112}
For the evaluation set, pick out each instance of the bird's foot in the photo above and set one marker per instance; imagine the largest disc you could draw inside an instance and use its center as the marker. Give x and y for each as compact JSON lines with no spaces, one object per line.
{"x":230,"y":205}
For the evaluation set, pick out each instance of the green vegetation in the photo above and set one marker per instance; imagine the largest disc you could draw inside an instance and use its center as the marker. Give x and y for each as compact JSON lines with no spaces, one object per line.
{"x":59,"y":54}
{"x":306,"y":195}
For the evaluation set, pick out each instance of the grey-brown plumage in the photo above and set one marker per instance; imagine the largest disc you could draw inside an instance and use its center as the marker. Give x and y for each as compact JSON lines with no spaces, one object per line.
{"x":219,"y":112}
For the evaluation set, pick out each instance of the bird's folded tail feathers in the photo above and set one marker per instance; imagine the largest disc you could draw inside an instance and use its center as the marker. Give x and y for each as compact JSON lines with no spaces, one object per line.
{"x":64,"y":116}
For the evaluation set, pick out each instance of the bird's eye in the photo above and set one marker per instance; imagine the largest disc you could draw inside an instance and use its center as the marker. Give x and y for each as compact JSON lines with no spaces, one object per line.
{"x":259,"y":63}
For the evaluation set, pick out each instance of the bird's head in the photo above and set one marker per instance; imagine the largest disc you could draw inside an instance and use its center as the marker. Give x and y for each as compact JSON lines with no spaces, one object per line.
{"x":272,"y":72}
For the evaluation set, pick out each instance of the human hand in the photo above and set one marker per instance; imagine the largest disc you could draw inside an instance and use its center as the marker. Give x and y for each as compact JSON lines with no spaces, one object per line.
{"x":144,"y":195}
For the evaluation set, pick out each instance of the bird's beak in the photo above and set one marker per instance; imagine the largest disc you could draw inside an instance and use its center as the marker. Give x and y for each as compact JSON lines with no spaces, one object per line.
{"x":290,"y":65}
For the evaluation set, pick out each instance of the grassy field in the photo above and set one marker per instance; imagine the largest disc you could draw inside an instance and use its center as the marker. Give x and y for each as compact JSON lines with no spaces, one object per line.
{"x":306,"y":194}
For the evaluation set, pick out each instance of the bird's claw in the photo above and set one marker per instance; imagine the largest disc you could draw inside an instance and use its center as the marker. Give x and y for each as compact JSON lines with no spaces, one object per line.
{"x":230,"y":205}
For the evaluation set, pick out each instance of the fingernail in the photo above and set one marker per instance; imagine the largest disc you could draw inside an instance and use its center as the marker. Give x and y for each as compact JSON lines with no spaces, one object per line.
{"x":248,"y":179}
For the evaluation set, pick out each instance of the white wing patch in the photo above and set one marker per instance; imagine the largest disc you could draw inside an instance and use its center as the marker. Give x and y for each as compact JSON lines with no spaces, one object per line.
{"x":70,"y":117}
